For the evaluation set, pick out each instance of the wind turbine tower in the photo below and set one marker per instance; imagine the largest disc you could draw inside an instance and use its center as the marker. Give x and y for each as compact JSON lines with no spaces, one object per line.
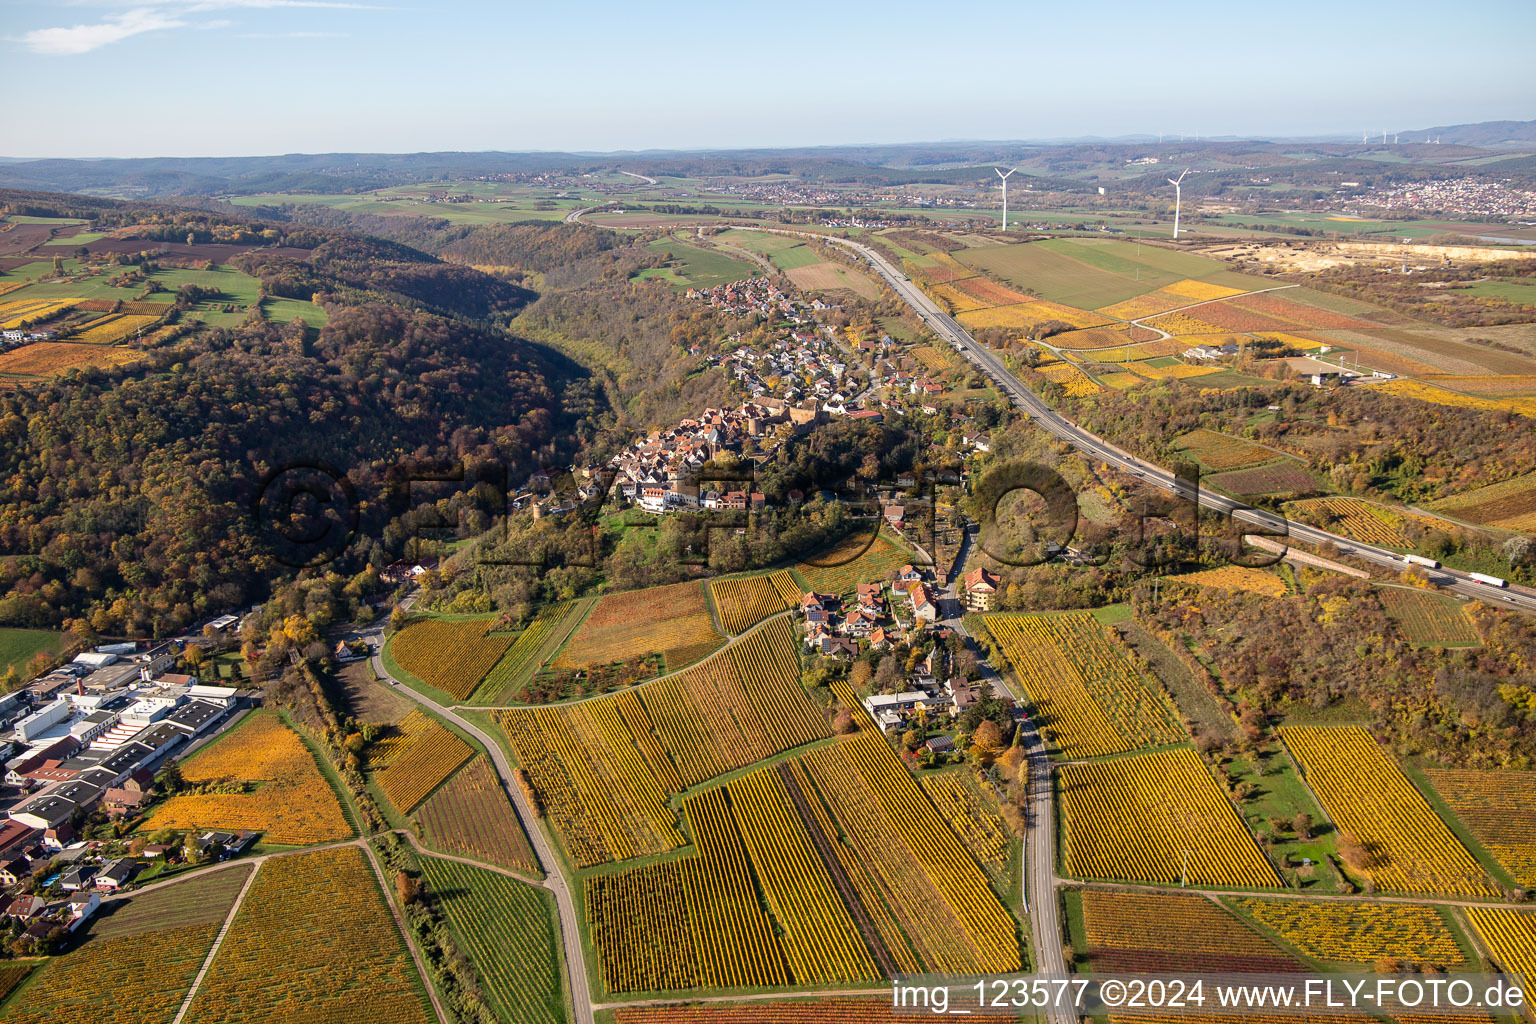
{"x":1005,"y":177}
{"x":1178,"y":200}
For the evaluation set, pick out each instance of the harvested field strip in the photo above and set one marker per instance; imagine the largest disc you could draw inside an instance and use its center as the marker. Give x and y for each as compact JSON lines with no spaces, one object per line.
{"x":1132,"y":818}
{"x":1366,"y":795}
{"x":1496,"y":807}
{"x":1509,"y":504}
{"x":472,"y":817}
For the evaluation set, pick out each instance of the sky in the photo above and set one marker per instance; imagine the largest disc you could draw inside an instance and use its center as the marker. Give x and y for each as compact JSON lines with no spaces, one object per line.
{"x":132,"y":78}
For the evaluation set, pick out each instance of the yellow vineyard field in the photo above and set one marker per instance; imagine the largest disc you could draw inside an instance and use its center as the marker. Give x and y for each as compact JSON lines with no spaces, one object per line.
{"x":1237,"y":577}
{"x":1177,"y":371}
{"x":55,"y":358}
{"x":672,"y":621}
{"x":1134,"y":818}
{"x":1367,"y":796}
{"x":416,"y":768}
{"x":1075,"y":381}
{"x":1362,"y":520}
{"x":1511,"y":936}
{"x":113,"y":328}
{"x":602,"y":769}
{"x":1497,"y":807}
{"x":1088,"y":693}
{"x":1441,"y":396}
{"x":292,"y":803}
{"x":1359,"y":933}
{"x":743,"y":603}
{"x":971,"y":813}
{"x":452,"y":656}
{"x":312,"y":941}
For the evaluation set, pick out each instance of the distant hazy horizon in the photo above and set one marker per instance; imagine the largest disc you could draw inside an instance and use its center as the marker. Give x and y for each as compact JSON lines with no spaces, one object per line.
{"x":222,"y":78}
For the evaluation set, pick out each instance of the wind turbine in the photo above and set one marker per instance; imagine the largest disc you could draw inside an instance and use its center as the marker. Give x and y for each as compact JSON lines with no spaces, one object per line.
{"x":1178,"y":199}
{"x":1000,"y":174}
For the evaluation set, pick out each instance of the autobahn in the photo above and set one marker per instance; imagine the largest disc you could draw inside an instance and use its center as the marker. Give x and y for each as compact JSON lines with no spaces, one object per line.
{"x":949,"y":329}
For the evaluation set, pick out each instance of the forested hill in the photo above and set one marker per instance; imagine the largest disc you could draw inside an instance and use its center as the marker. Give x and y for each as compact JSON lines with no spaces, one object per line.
{"x":126,"y":495}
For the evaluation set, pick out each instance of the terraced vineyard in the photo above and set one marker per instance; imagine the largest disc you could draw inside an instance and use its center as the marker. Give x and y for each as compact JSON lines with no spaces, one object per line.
{"x":1133,"y":818}
{"x":291,"y":801}
{"x":671,"y":621}
{"x":312,"y":941}
{"x":1087,"y":692}
{"x":1359,"y":933}
{"x":415,"y":769}
{"x":1429,"y":620}
{"x":746,"y":601}
{"x":471,"y":816}
{"x":505,"y":927}
{"x":1164,"y":934}
{"x":1496,"y":806}
{"x":452,"y":656}
{"x":1367,"y":796}
{"x":602,"y":769}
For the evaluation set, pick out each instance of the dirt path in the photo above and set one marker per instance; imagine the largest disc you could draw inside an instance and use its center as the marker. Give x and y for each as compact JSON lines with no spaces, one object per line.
{"x":839,"y":877}
{"x":405,"y":935}
{"x":423,"y":851}
{"x":213,"y":951}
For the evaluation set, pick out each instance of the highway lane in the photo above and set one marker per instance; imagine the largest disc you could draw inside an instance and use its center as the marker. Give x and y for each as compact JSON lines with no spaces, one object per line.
{"x":947,"y":327}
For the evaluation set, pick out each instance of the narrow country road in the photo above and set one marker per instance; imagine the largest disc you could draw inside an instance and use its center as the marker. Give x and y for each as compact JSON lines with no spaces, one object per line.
{"x":555,"y":881}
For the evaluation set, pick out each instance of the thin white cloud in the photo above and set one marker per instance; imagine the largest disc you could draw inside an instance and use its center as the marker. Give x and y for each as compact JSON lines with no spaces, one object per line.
{"x":295,"y":35}
{"x":77,"y":39}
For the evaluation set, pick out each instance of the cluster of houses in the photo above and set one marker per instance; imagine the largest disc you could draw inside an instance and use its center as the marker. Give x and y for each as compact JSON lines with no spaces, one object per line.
{"x":15,"y":337}
{"x":79,"y":876}
{"x":756,"y":296}
{"x":90,"y":735}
